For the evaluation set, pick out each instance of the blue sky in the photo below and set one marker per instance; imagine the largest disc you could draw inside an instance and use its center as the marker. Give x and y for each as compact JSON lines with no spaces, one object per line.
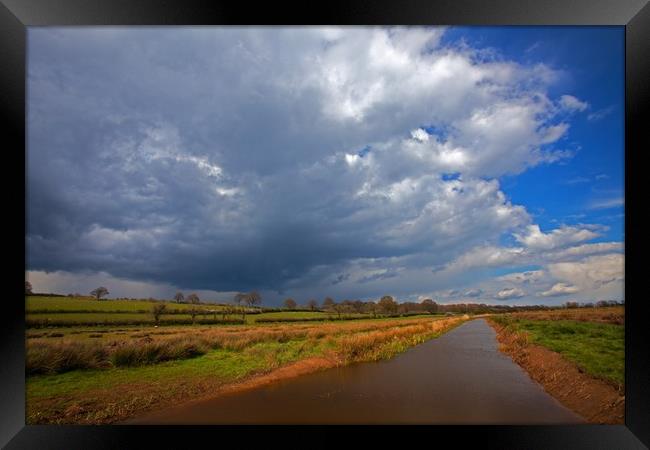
{"x":462,"y":164}
{"x":592,"y":59}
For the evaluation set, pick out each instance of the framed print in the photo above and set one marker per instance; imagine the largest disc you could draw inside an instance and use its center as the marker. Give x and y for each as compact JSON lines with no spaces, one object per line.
{"x":371,"y":218}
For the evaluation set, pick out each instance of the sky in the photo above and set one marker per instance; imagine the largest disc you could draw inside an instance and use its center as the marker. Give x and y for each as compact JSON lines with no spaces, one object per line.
{"x":462,"y":164}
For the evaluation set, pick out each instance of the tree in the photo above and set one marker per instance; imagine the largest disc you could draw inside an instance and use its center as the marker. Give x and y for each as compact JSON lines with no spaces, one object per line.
{"x":290,"y":303}
{"x":28,"y":288}
{"x":253,"y":298}
{"x":338,"y":307}
{"x":313,"y":304}
{"x":372,"y":307}
{"x":388,"y":305}
{"x":328,"y":302}
{"x":250,"y":299}
{"x":157,"y":311}
{"x":430,"y":306}
{"x":193,"y":298}
{"x":99,"y":292}
{"x":179,"y":297}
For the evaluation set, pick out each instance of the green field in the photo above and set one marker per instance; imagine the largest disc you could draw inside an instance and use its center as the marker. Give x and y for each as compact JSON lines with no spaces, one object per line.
{"x":596,"y":348}
{"x":77,"y":311}
{"x":59,"y":311}
{"x":42,"y":304}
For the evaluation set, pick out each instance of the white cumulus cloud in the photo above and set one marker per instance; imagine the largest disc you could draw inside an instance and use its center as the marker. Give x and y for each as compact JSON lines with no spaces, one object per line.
{"x":508,"y":293}
{"x":560,"y":289}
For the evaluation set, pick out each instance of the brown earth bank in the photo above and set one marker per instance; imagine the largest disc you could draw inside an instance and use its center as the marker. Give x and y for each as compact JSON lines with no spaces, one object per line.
{"x":296,"y":369}
{"x":596,"y":400}
{"x":146,"y":399}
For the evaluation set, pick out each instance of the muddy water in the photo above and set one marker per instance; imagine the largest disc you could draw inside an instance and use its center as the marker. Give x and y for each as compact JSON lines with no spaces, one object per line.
{"x":459,"y":378}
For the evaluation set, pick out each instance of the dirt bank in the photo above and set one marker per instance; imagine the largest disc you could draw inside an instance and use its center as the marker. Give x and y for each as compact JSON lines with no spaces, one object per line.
{"x":595,"y":400}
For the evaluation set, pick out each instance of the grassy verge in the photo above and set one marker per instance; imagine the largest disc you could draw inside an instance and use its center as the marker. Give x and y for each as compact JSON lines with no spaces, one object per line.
{"x":598,"y":349}
{"x":126,"y":375}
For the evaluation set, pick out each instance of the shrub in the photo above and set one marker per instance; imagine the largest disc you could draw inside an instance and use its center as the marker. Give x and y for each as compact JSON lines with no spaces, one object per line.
{"x":137,"y":354}
{"x":44,"y":358}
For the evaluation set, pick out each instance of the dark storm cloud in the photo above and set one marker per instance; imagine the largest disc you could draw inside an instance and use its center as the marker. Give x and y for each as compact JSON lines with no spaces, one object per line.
{"x":228,"y":159}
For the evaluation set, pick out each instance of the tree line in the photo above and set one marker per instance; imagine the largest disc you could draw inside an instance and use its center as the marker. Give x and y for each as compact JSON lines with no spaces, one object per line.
{"x":385,"y":305}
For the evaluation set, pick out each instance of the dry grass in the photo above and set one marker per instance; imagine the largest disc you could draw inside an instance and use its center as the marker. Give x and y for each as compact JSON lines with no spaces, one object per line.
{"x":54,"y":357}
{"x":372,"y":345}
{"x":612,"y":315}
{"x":47,"y":356}
{"x":238,"y":358}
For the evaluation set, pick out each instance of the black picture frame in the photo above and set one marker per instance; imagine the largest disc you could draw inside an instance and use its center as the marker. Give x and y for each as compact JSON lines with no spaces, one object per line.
{"x":634,"y":15}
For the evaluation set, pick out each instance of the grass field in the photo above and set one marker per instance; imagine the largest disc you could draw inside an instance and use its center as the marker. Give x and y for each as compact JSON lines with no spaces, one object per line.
{"x":596,"y":347}
{"x":44,"y":312}
{"x":110,"y":317}
{"x":100,"y":318}
{"x":72,"y":304}
{"x":105,"y":374}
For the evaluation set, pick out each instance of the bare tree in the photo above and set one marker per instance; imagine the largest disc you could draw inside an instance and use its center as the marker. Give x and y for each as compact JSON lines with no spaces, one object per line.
{"x":328,"y":302}
{"x":28,"y":288}
{"x":99,"y":292}
{"x":193,"y":298}
{"x":253,"y":298}
{"x":249,"y":299}
{"x":290,"y":303}
{"x":313,"y":304}
{"x":157,"y":311}
{"x":179,"y":297}
{"x":339,"y":308}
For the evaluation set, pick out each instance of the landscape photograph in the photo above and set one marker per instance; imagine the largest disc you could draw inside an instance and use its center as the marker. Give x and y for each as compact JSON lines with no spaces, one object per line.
{"x":325,"y":225}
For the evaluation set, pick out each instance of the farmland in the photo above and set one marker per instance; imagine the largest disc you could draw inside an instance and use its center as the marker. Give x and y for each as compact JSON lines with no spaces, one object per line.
{"x":79,"y":311}
{"x":102,"y":374}
{"x":62,"y":305}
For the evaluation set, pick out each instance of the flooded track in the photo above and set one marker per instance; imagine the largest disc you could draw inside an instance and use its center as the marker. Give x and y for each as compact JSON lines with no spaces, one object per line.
{"x":459,"y":378}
